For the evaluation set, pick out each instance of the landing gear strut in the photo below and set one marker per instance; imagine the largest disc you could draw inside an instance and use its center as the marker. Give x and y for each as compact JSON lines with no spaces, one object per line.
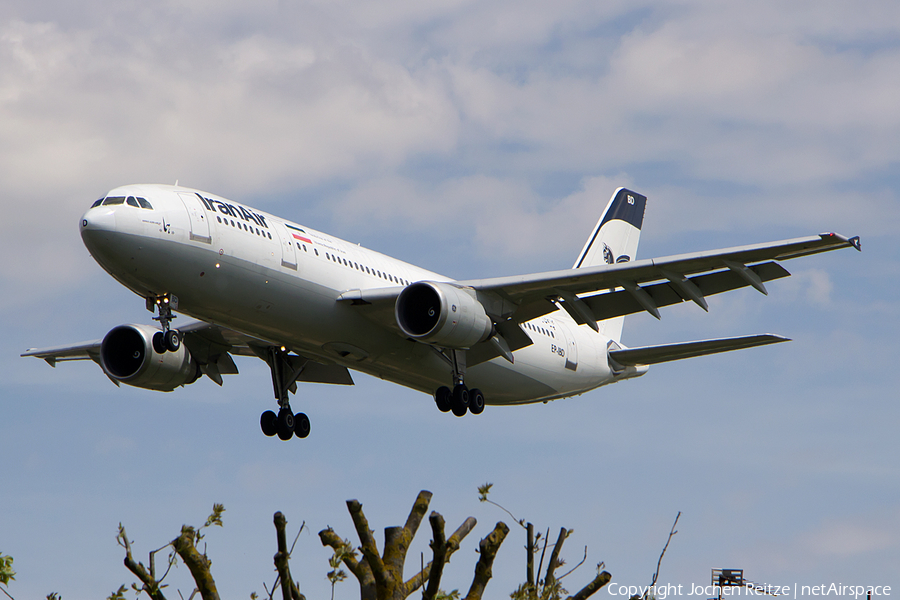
{"x":167,"y":340}
{"x":460,"y":399}
{"x":285,"y":423}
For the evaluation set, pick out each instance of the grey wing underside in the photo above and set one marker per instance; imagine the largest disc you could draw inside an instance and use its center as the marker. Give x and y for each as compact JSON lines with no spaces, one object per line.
{"x":212,"y":346}
{"x":646,"y":285}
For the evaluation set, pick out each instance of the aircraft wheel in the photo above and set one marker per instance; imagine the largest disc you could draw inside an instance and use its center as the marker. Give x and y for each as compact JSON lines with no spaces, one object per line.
{"x":268,"y":423}
{"x":442,"y":398}
{"x":285,"y":424}
{"x":301,"y":425}
{"x":173,"y":340}
{"x":159,"y":342}
{"x":476,"y":401}
{"x":459,"y":403}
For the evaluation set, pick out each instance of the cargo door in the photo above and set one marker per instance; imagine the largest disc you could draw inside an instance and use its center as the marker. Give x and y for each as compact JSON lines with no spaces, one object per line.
{"x":571,"y":348}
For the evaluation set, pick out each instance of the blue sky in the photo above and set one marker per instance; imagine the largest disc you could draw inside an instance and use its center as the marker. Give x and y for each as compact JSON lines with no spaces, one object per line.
{"x":475,"y":139}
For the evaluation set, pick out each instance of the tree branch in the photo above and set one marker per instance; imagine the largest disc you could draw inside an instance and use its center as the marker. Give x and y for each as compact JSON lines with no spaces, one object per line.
{"x":417,"y":513}
{"x":151,"y":585}
{"x":289,"y":589}
{"x":661,"y":554}
{"x":550,"y":577}
{"x":587,"y":591}
{"x":196,"y":563}
{"x":360,"y":569}
{"x":488,"y":549}
{"x":439,"y":550}
{"x":452,"y":546}
{"x":367,"y":539}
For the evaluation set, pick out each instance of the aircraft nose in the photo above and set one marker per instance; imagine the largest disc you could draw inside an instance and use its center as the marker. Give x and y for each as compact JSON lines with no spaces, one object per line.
{"x":96,"y":226}
{"x":98,"y":219}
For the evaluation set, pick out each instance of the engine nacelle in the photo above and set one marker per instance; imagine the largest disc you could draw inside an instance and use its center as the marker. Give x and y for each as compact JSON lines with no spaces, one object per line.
{"x":443,"y":315}
{"x":127,"y":356}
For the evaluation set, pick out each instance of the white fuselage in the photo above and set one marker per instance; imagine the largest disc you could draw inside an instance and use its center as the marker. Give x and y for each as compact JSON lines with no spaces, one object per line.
{"x":278,"y":281}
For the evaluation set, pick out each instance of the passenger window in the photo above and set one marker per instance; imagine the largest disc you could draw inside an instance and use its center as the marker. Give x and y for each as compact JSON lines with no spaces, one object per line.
{"x":114,"y":200}
{"x":132,"y":202}
{"x":144,"y":204}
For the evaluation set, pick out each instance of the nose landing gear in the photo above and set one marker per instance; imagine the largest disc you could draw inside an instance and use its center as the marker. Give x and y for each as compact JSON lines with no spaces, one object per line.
{"x":167,"y":340}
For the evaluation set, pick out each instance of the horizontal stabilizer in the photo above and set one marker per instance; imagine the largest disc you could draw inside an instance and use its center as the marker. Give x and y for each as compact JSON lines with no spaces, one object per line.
{"x":648,"y":355}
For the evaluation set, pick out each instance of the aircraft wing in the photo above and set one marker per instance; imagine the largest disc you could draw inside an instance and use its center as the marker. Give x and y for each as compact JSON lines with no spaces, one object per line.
{"x":82,"y":351}
{"x":681,"y":277}
{"x":212,"y":347}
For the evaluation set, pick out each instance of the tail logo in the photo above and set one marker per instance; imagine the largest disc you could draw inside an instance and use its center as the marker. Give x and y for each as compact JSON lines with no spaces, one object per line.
{"x":608,"y":255}
{"x":630,"y":199}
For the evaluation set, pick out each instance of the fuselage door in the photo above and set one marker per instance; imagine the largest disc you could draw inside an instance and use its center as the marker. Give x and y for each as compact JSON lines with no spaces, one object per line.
{"x":197,"y":213}
{"x":571,"y":348}
{"x":288,"y":253}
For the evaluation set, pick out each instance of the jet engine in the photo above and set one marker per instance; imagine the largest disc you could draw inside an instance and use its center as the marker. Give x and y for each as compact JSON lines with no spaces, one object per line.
{"x":442,"y":314}
{"x":127,"y":356}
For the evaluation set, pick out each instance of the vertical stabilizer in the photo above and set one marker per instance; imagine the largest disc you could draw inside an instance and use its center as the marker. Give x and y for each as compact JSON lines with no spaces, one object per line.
{"x":615,"y":240}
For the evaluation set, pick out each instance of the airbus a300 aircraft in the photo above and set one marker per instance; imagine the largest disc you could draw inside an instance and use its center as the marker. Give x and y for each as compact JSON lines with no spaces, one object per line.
{"x":314,"y":307}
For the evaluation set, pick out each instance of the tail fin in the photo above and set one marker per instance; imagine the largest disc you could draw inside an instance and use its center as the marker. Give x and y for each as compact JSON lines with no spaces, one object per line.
{"x":614,"y":240}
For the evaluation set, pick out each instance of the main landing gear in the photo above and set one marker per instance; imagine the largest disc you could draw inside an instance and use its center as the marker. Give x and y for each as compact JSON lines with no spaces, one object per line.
{"x":167,"y":340}
{"x":285,"y":423}
{"x":460,"y":399}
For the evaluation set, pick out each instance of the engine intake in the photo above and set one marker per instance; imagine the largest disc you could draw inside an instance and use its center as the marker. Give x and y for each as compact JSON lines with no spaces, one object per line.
{"x":442,"y":314}
{"x":127,"y":356}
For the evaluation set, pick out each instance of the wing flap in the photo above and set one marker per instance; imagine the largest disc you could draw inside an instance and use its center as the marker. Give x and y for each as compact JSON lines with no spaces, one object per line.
{"x":619,"y":303}
{"x":648,"y":355}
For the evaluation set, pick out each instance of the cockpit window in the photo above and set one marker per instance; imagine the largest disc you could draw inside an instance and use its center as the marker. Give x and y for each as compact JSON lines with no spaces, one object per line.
{"x":132,"y":202}
{"x":97,"y":203}
{"x":114,"y":200}
{"x":144,"y":204}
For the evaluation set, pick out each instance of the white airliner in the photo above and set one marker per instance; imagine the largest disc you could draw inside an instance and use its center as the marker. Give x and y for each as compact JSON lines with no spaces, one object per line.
{"x":314,"y":306}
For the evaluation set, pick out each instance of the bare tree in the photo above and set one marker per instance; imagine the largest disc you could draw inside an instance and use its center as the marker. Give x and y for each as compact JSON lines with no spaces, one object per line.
{"x":381,"y":576}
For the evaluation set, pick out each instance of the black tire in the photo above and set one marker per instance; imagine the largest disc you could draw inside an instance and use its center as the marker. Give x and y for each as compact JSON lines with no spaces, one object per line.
{"x":285,"y":424}
{"x":268,"y":423}
{"x":301,"y":425}
{"x":159,"y":342}
{"x":459,"y":403}
{"x":173,"y":340}
{"x":442,"y":398}
{"x":476,"y":401}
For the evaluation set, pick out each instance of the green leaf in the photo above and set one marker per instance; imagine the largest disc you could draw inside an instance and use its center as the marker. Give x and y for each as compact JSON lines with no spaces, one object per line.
{"x":6,"y":571}
{"x":216,"y":517}
{"x":483,"y":491}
